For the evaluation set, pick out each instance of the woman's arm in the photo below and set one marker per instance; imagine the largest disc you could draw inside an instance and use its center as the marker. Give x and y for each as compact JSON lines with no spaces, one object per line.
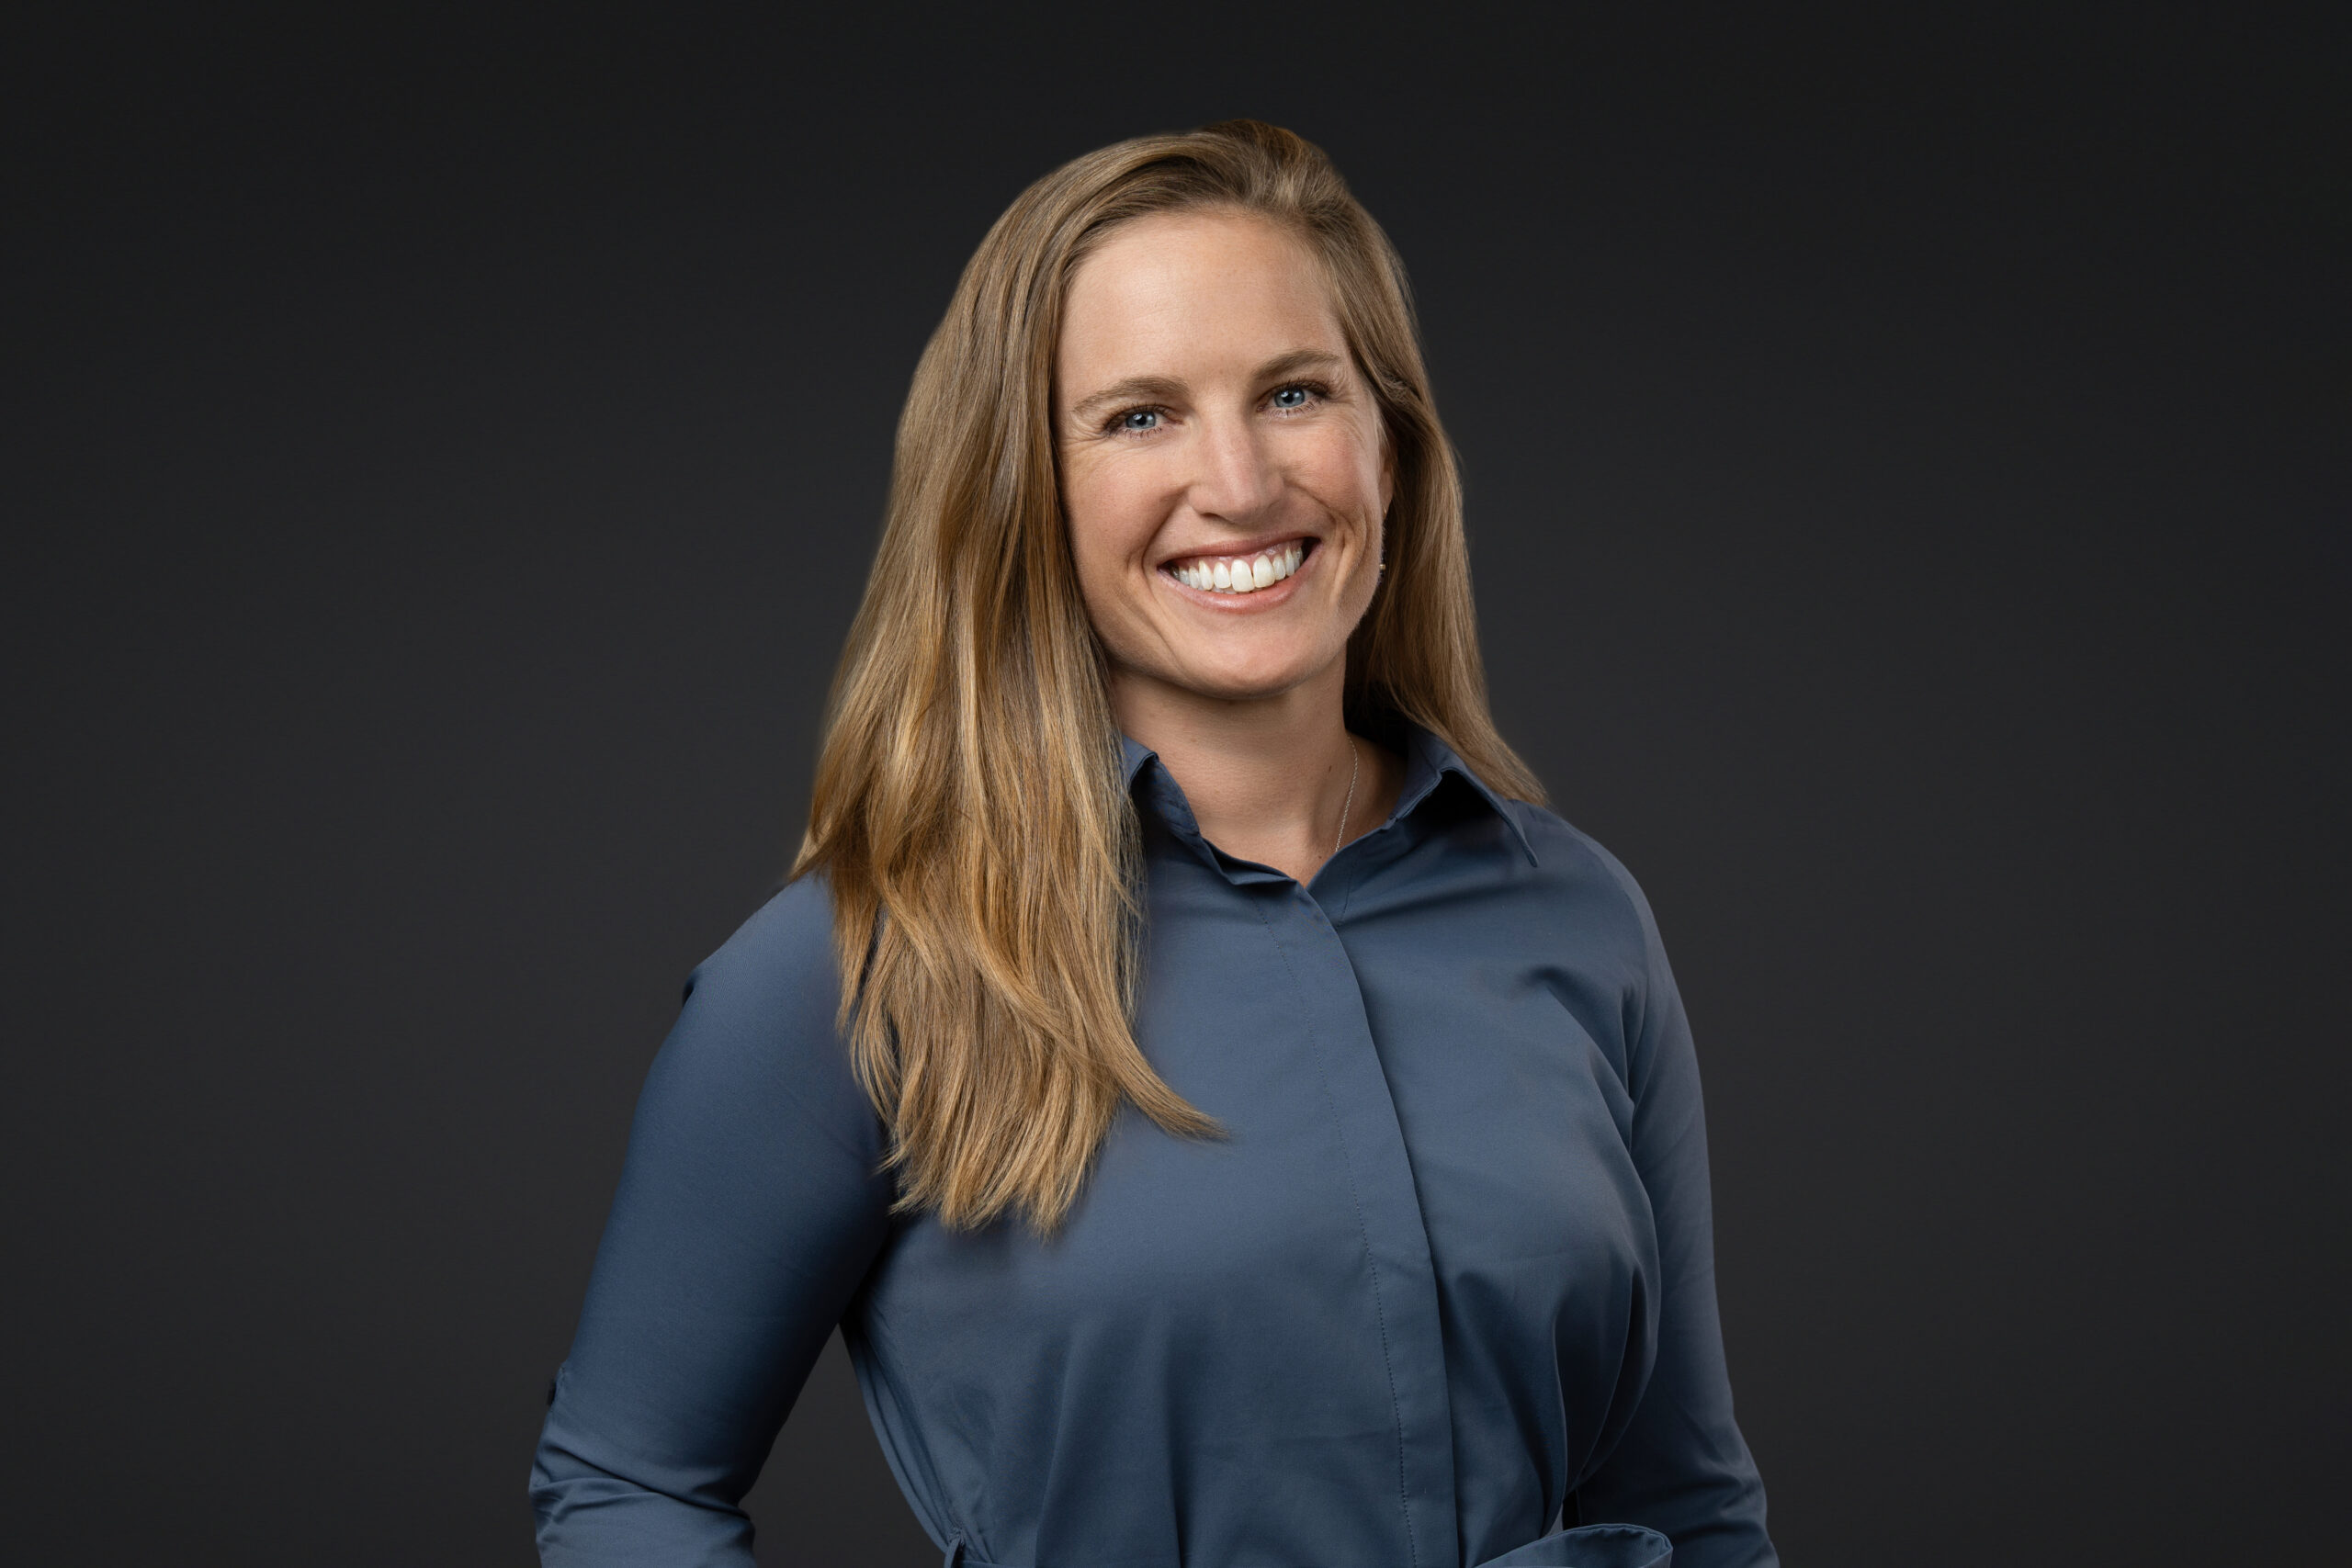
{"x":1681,"y":1467}
{"x":748,"y":1212}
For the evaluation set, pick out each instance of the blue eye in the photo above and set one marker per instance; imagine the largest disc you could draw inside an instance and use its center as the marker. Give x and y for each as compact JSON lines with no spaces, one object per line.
{"x":1292,"y":397}
{"x":1139,"y":419}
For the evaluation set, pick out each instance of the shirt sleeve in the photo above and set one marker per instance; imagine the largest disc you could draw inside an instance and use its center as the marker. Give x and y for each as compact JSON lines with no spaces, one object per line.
{"x":1681,"y":1467}
{"x":748,"y":1211}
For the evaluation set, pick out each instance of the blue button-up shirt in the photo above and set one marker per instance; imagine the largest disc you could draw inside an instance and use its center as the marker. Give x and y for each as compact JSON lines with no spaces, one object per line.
{"x":1443,"y":1297}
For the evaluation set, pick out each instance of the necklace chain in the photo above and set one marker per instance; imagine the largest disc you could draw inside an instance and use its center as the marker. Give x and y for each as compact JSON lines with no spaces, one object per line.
{"x":1355,"y":761}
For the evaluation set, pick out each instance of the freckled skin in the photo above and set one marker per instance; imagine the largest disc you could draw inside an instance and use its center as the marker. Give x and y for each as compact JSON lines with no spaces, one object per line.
{"x":1218,"y":454}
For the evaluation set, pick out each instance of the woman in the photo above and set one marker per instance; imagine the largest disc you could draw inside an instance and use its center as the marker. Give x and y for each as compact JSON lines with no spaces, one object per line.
{"x":1230,"y":1123}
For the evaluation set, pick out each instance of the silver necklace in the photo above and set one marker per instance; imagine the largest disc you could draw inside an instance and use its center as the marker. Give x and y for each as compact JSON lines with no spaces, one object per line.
{"x":1355,"y":761}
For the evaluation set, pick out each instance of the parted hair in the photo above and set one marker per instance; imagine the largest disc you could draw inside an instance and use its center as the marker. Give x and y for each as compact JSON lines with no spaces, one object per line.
{"x":971,"y":811}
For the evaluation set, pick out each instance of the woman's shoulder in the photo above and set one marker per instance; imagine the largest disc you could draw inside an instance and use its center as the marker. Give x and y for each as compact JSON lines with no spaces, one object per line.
{"x":786,"y":944}
{"x":761,"y":1014}
{"x":1579,"y":869}
{"x":752,"y":1120}
{"x":1602,"y":920}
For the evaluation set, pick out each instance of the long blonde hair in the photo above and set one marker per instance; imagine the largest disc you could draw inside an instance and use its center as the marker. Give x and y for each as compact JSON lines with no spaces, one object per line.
{"x":969,"y":808}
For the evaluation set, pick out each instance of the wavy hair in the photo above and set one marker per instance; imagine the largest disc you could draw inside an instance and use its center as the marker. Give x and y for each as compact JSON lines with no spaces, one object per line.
{"x":969,"y":811}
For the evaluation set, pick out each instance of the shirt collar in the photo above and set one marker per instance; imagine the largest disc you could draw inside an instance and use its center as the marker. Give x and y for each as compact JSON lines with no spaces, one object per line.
{"x":1428,"y":760}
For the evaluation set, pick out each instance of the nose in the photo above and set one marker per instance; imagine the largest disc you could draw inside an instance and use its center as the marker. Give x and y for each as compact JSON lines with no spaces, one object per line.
{"x":1236,"y":479}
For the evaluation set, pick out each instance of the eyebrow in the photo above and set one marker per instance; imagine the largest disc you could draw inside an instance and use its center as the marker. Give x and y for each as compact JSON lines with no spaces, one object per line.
{"x":1136,"y":388}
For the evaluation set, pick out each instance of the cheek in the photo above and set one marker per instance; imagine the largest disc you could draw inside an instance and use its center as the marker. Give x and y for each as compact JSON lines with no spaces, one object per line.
{"x":1110,"y":522}
{"x":1348,"y":476}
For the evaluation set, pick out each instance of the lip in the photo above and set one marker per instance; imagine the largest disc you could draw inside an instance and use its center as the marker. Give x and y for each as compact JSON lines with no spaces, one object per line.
{"x":1268,"y":598}
{"x":1240,"y":547}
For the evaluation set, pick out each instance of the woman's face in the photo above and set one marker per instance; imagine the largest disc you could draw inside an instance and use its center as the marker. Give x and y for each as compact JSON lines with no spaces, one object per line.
{"x":1223,"y":463}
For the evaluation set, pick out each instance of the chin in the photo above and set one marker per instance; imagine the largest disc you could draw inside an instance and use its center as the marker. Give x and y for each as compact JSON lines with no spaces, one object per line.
{"x":1247,"y":681}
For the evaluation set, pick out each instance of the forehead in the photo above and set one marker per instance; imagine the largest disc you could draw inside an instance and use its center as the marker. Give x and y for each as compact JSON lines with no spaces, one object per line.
{"x":1179,"y":292}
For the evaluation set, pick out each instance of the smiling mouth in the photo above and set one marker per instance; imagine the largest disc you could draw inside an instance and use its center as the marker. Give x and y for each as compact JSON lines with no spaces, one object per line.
{"x":1241,"y":574}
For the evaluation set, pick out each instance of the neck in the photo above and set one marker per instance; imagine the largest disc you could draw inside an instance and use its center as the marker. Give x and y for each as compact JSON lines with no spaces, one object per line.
{"x":1267,"y":778}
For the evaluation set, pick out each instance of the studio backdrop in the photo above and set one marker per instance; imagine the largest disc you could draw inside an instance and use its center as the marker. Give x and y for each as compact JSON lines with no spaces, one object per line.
{"x":1906,"y":489}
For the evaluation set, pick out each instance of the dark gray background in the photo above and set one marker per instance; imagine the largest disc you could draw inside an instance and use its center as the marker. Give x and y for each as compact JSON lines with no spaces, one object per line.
{"x":1906,"y":461}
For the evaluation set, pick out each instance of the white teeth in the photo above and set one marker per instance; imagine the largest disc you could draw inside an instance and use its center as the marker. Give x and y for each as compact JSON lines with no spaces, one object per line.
{"x":1242,"y":576}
